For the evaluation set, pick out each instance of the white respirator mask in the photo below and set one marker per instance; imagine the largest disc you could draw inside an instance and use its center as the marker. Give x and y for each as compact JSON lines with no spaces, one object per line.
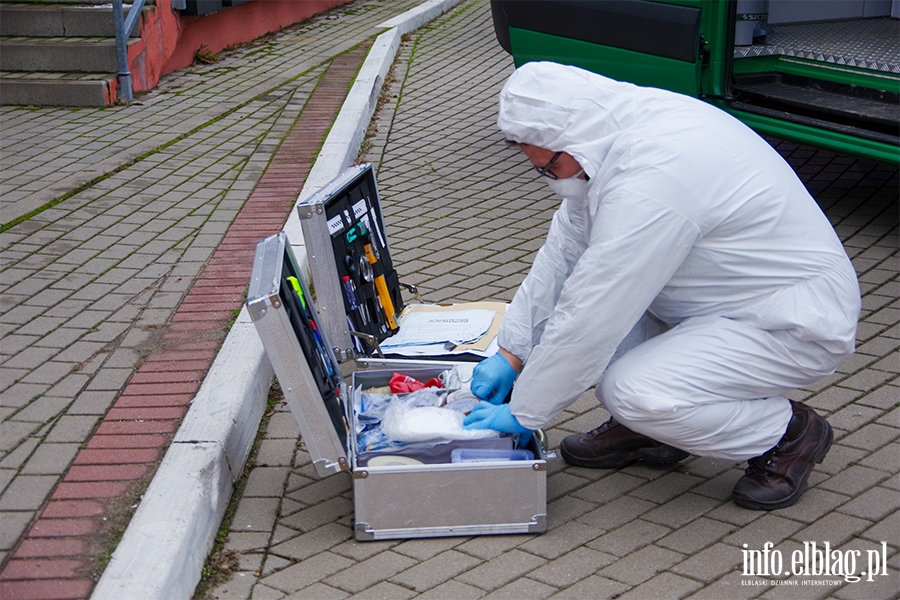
{"x":572,"y":187}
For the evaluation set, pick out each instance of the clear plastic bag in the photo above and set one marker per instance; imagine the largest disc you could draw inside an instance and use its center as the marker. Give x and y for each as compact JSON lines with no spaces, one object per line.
{"x":371,"y":407}
{"x":417,"y":417}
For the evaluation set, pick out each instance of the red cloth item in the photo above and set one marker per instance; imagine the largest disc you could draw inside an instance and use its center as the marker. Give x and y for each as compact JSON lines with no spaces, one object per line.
{"x":401,"y":383}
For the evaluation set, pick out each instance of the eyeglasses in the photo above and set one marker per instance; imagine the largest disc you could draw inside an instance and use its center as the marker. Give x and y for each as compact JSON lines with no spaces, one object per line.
{"x":545,"y":170}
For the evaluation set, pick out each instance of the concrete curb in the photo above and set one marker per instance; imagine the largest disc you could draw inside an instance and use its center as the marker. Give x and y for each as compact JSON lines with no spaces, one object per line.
{"x":164,"y":547}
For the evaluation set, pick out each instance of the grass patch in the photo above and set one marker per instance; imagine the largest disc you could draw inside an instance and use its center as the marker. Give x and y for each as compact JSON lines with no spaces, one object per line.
{"x":205,"y":56}
{"x":372,"y":129}
{"x":119,"y":515}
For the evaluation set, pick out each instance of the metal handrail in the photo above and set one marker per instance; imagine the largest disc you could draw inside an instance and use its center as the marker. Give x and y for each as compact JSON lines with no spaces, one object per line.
{"x":124,"y":26}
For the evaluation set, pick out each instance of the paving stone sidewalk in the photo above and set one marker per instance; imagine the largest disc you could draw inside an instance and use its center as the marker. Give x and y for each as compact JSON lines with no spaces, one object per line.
{"x":90,"y":285}
{"x":465,"y":216}
{"x":49,"y":152}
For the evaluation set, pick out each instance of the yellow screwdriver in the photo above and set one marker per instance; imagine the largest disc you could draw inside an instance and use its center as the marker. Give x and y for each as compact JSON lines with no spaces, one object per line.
{"x":383,"y":294}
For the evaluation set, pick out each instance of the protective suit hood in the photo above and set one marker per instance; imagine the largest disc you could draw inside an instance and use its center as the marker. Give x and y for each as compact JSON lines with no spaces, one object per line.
{"x":562,"y":108}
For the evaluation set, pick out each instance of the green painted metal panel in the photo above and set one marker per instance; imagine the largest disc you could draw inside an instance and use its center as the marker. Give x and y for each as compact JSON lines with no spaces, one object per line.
{"x":623,"y":65}
{"x":715,"y":25}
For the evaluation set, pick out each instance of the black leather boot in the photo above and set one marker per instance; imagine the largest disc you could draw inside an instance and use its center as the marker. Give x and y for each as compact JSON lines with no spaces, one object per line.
{"x":778,"y":478}
{"x":613,"y":446}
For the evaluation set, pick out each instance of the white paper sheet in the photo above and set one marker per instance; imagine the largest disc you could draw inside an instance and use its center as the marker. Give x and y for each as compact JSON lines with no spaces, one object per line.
{"x":439,"y":328}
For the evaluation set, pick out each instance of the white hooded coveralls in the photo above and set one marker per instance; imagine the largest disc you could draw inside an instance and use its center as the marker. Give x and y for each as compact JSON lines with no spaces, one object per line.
{"x":690,"y":216}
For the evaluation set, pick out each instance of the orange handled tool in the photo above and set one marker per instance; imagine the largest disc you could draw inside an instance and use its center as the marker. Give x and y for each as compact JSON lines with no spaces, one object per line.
{"x":381,"y":286}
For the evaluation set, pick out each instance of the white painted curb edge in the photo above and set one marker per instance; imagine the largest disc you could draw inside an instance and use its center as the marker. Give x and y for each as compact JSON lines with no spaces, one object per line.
{"x":164,"y":547}
{"x":418,"y":16}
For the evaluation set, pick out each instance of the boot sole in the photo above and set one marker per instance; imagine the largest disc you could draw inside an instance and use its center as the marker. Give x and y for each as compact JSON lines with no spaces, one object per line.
{"x":819,"y":456}
{"x":618,"y":461}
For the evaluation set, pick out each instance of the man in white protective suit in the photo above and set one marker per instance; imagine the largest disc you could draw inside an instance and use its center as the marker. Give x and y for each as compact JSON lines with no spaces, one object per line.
{"x":677,"y":218}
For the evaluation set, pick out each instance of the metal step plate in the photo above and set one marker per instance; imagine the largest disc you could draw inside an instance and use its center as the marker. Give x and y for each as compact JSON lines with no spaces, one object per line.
{"x":872,"y":44}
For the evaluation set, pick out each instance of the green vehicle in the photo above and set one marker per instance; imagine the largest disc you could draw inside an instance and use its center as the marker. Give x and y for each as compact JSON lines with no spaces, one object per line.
{"x":825,"y":73}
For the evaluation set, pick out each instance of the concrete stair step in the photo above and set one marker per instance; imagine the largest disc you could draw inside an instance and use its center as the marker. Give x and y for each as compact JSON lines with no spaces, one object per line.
{"x":58,"y":20}
{"x":85,"y":55}
{"x":58,"y":89}
{"x":58,"y":52}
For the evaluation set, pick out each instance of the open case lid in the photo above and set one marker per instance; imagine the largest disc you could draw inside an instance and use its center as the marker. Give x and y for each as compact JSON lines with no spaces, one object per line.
{"x":280,"y":306}
{"x":347,"y":245}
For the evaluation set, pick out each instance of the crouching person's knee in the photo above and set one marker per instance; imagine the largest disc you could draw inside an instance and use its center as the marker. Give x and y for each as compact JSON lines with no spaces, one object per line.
{"x":621,"y":392}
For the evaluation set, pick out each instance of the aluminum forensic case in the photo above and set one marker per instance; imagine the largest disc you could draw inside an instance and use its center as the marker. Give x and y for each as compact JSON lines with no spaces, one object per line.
{"x":391,"y":501}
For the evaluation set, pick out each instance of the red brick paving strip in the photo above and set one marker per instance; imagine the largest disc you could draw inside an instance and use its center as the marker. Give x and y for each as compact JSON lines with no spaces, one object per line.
{"x":56,"y":556}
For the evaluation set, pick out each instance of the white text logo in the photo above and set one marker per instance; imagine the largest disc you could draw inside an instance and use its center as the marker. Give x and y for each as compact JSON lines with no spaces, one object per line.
{"x":816,"y":561}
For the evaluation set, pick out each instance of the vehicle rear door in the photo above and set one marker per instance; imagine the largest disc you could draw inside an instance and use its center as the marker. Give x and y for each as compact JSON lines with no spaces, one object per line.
{"x":648,"y":43}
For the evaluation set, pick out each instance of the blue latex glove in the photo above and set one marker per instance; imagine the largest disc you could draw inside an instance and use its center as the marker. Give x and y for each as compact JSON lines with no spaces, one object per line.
{"x":494,"y":416}
{"x":492,"y":379}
